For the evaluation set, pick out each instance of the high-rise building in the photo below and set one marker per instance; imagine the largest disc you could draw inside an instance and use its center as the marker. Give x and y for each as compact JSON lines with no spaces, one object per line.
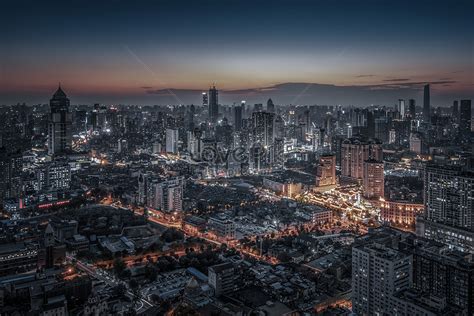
{"x":416,"y":143}
{"x":378,"y":272}
{"x":205,"y":101}
{"x":395,"y":273}
{"x":60,"y":124}
{"x":238,"y":117}
{"x":373,"y":181}
{"x":465,"y":117}
{"x":263,"y":128}
{"x":444,"y":273}
{"x":412,"y":108}
{"x":171,"y":140}
{"x":326,"y":171}
{"x":167,"y":196}
{"x":401,"y":108}
{"x":455,"y":112}
{"x":354,"y":152}
{"x":449,"y":196}
{"x":222,"y":278}
{"x":213,"y":105}
{"x":270,"y":106}
{"x":426,"y":104}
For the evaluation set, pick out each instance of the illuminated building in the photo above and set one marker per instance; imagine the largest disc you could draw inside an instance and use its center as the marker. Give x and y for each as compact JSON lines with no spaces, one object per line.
{"x":263,"y":128}
{"x":378,"y":272}
{"x":400,"y":213}
{"x":60,"y":124}
{"x":213,"y":105}
{"x":354,"y":152}
{"x":222,"y":278}
{"x":326,"y":171}
{"x":204,"y":99}
{"x":222,"y":227}
{"x":373,"y":180}
{"x":167,"y":196}
{"x":171,"y":140}
{"x":416,"y":143}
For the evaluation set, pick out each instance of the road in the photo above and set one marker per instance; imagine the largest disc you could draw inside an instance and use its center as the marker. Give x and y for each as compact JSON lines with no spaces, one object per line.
{"x":106,"y":277}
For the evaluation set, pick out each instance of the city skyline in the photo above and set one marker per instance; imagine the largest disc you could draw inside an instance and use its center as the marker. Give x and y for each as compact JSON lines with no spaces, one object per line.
{"x":348,"y":53}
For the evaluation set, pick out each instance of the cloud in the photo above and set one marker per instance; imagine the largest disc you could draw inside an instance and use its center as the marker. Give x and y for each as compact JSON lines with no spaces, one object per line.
{"x":396,"y":79}
{"x":364,"y":76}
{"x":146,"y":88}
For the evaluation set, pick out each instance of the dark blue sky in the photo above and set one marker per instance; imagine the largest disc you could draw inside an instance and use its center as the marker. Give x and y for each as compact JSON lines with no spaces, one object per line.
{"x":128,"y":52}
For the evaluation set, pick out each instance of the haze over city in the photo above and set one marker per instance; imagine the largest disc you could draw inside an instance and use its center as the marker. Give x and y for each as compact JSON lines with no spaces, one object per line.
{"x":298,"y":52}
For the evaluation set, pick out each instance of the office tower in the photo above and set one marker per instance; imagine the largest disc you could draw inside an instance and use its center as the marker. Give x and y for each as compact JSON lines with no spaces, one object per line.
{"x":455,"y":112}
{"x":222,"y":278}
{"x":449,"y":196}
{"x":213,"y":105}
{"x":167,"y":196}
{"x":373,"y":181}
{"x":262,"y":124}
{"x":60,"y":124}
{"x":416,"y":142}
{"x":11,"y":167}
{"x":278,"y":153}
{"x":401,"y":108}
{"x":354,"y":152}
{"x":143,"y":182}
{"x":238,"y":117}
{"x":258,"y":107}
{"x":412,"y":108}
{"x":171,"y":140}
{"x":426,"y":104}
{"x":279,"y":125}
{"x":378,"y":272}
{"x":370,"y":124}
{"x":326,"y":171}
{"x":465,"y":118}
{"x":204,"y":99}
{"x":270,"y":106}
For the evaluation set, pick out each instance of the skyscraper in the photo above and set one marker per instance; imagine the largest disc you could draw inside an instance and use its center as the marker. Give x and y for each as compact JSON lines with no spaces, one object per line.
{"x":60,"y":124}
{"x":465,"y":117}
{"x":270,"y":106}
{"x":426,"y":104}
{"x":455,"y":112}
{"x":263,"y":128}
{"x":401,"y":108}
{"x":238,"y":117}
{"x":171,"y":140}
{"x":213,"y":105}
{"x":204,"y":99}
{"x":412,"y":107}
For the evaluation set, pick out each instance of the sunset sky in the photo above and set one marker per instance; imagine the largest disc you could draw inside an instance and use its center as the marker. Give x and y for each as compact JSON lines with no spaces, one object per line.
{"x":158,"y":52}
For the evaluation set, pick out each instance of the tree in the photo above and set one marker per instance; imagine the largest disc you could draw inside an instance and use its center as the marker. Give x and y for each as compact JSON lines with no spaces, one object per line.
{"x":119,"y":266}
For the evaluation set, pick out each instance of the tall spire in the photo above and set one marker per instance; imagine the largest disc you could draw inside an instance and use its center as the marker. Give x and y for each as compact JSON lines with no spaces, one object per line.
{"x":59,"y":93}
